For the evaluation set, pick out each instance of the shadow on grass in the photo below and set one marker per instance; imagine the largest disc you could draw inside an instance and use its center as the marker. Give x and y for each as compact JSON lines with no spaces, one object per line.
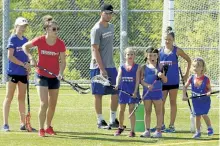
{"x":99,"y":137}
{"x":184,"y":138}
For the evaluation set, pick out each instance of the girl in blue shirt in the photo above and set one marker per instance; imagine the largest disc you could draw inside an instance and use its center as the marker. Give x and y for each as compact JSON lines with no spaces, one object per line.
{"x":17,"y":71}
{"x":128,"y":80}
{"x":200,"y":84}
{"x":152,"y":77}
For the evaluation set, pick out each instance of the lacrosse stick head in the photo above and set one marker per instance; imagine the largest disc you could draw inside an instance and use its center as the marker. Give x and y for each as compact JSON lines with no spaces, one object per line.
{"x":165,"y":65}
{"x":101,"y":79}
{"x":27,"y":122}
{"x":83,"y":91}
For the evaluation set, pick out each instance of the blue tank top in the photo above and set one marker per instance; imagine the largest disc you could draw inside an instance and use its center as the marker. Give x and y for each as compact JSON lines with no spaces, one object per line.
{"x":150,"y":77}
{"x":173,"y":70}
{"x":15,"y":43}
{"x":128,"y":78}
{"x":199,"y":90}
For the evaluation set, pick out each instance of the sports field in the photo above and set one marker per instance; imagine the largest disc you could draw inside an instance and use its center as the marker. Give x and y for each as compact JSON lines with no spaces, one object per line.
{"x":75,"y":124}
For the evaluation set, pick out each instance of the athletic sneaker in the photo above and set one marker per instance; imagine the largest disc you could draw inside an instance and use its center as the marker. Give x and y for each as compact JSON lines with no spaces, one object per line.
{"x":210,"y":132}
{"x":197,"y":135}
{"x":157,"y":134}
{"x":131,"y":134}
{"x":41,"y":133}
{"x":145,"y":134}
{"x":50,"y":131}
{"x":171,"y":129}
{"x":155,"y":128}
{"x":118,"y":132}
{"x":102,"y":124}
{"x":5,"y":128}
{"x":114,"y":124}
{"x":24,"y":128}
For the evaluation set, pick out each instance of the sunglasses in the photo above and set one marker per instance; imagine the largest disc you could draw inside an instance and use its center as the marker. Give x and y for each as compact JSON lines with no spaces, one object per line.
{"x":55,"y":28}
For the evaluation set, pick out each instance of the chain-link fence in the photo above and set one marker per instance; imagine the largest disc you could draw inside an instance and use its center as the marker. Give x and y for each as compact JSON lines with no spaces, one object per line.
{"x":196,"y":25}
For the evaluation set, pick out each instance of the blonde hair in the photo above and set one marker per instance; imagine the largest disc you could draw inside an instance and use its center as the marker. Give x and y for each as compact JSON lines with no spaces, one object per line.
{"x":200,"y":62}
{"x":129,"y":49}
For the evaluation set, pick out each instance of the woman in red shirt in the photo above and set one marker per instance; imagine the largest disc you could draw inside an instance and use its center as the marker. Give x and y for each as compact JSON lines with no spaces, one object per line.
{"x":51,"y":56}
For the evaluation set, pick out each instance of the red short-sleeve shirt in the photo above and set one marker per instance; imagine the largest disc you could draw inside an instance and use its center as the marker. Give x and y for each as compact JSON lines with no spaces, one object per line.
{"x":48,"y":56}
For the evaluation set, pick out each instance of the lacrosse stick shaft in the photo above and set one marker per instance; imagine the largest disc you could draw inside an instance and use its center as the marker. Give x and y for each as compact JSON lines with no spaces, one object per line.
{"x":28,"y":116}
{"x":136,"y":107}
{"x":181,"y":74}
{"x":28,"y":98}
{"x":214,"y":92}
{"x":192,"y":117}
{"x":75,"y":86}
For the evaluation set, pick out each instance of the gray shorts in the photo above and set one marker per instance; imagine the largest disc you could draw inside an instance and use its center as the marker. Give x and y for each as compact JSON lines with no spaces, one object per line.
{"x":51,"y":83}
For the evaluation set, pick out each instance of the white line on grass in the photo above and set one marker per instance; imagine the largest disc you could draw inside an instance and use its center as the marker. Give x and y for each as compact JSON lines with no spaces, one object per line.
{"x":185,"y":143}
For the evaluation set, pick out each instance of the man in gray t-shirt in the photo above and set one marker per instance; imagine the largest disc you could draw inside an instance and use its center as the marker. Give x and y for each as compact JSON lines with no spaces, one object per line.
{"x":102,"y":35}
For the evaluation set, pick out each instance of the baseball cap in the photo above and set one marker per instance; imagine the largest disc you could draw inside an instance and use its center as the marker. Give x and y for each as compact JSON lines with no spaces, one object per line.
{"x":21,"y":21}
{"x":107,"y":8}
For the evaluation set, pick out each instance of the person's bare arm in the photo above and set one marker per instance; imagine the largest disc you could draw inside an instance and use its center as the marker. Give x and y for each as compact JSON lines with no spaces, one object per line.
{"x":26,"y":48}
{"x":209,"y":88}
{"x":118,"y":79}
{"x":62,"y":63}
{"x":185,"y":98}
{"x":181,"y":53}
{"x":138,"y":76}
{"x":95,"y":50}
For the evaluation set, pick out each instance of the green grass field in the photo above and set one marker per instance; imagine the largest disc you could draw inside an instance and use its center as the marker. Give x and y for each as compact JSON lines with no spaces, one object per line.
{"x":75,"y":124}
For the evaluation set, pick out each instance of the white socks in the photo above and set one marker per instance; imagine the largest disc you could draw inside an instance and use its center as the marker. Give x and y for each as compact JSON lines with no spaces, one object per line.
{"x":100,"y":118}
{"x":112,"y":116}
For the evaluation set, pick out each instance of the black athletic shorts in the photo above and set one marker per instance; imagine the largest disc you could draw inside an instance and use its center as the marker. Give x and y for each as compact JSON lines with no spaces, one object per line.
{"x":169,"y":87}
{"x":17,"y":78}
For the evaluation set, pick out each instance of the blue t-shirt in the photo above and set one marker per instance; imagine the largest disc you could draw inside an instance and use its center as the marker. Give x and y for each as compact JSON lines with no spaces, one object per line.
{"x":15,"y":43}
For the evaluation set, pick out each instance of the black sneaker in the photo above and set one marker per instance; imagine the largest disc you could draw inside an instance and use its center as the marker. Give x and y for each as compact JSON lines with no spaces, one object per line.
{"x":22,"y":128}
{"x":102,"y":125}
{"x":114,"y":124}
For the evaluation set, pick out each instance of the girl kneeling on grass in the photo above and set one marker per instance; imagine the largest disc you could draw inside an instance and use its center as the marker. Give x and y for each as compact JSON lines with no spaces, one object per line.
{"x":152,"y":90}
{"x":200,"y":84}
{"x":128,"y":80}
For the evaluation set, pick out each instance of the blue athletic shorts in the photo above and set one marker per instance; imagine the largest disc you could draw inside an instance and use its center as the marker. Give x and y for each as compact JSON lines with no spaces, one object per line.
{"x":98,"y":88}
{"x":153,"y":95}
{"x":51,"y":83}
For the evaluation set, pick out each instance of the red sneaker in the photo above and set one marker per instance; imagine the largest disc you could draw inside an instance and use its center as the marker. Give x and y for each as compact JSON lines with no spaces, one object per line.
{"x":50,"y":131}
{"x":41,"y":133}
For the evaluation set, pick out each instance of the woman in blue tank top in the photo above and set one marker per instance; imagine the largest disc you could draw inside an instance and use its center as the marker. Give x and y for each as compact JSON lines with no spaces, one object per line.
{"x":128,"y":80}
{"x":169,"y":56}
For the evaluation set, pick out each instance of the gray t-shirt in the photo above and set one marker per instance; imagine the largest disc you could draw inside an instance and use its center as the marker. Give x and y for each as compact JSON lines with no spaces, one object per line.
{"x":103,"y":36}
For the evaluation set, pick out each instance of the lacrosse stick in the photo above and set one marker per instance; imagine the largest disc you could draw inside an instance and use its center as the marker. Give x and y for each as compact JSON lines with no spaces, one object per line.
{"x":105,"y":82}
{"x":192,"y":116}
{"x":201,"y":95}
{"x":28,"y":116}
{"x":75,"y":86}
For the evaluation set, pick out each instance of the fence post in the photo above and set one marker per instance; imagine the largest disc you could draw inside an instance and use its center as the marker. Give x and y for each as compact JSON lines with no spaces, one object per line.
{"x":5,"y":35}
{"x":123,"y":29}
{"x":168,"y":17}
{"x":171,"y":13}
